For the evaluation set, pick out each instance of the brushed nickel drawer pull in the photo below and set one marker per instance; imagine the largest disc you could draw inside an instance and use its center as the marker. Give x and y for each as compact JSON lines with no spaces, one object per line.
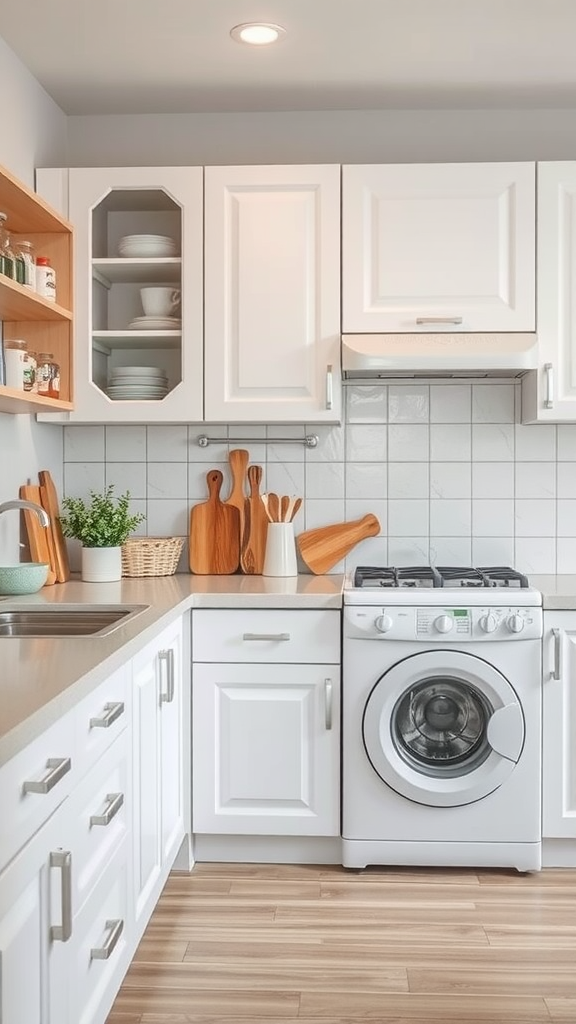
{"x":266,"y":636}
{"x":329,"y":387}
{"x":104,"y":952}
{"x":328,"y":703}
{"x":115,"y":801}
{"x":556,"y":672}
{"x":113,"y":711}
{"x":63,"y":859}
{"x":438,"y":319}
{"x":549,"y":400}
{"x":167,"y":656}
{"x":58,"y":768}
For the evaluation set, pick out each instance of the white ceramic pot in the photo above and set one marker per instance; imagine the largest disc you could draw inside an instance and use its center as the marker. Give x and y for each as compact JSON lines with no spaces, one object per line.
{"x":101,"y":565}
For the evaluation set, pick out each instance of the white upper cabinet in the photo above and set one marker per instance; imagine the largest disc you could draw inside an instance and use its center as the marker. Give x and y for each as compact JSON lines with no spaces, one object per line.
{"x":549,"y":393}
{"x":272,"y":294}
{"x":113,"y":330}
{"x":438,"y":247}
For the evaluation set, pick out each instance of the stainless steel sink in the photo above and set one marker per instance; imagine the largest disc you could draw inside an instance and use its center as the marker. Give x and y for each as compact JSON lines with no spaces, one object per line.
{"x":66,"y":620}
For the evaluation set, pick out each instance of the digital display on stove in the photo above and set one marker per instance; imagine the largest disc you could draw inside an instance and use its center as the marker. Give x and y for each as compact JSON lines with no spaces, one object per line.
{"x":460,"y":612}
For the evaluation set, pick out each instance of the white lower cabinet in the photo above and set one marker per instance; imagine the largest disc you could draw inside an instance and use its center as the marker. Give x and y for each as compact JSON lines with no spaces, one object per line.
{"x":266,"y":723}
{"x":158,"y":765}
{"x":77,"y":888}
{"x":559,"y":726}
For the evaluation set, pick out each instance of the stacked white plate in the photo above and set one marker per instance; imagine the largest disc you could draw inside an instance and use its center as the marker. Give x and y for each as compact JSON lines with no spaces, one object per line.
{"x":135,"y":383}
{"x":155,"y":323}
{"x":137,"y":246}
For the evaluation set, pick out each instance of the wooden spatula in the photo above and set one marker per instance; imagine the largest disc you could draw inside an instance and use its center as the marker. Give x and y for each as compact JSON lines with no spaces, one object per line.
{"x":254,"y":546}
{"x":238,"y":459}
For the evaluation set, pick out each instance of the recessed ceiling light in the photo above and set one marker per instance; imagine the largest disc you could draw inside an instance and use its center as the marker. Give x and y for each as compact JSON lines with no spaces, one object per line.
{"x":257,"y":34}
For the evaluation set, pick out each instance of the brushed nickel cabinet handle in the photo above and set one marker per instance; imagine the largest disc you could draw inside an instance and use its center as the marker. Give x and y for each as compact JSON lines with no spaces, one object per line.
{"x":549,"y":400}
{"x":58,"y":767}
{"x":328,"y":703}
{"x":438,"y":320}
{"x":62,"y":859}
{"x":329,"y":387}
{"x":167,"y":696}
{"x":556,"y":672}
{"x":112,"y":712}
{"x":104,"y":952}
{"x":115,"y":801}
{"x":266,"y":636}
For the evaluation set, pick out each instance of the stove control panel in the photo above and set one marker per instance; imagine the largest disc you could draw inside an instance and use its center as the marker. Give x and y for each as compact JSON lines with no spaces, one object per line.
{"x":442,"y":624}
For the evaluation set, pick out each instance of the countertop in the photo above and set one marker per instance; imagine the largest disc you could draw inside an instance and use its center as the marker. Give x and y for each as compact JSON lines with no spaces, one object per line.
{"x":558,"y":592}
{"x":41,"y":679}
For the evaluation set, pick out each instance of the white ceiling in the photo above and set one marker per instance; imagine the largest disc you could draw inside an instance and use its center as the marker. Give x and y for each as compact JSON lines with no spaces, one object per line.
{"x":176,"y":56}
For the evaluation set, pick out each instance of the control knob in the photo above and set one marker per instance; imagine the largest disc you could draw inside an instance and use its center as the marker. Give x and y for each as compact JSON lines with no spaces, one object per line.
{"x":515,"y":623}
{"x":383,"y":623}
{"x":488,"y":623}
{"x":443,"y":623}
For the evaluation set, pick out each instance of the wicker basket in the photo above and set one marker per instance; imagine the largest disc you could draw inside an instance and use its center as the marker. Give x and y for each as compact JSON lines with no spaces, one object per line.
{"x":151,"y":556}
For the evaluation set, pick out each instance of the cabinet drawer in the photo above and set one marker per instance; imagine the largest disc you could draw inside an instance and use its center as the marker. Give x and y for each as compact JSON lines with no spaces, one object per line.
{"x":101,"y":717}
{"x":34,"y":783}
{"x":101,"y":943}
{"x":266,"y":636}
{"x":101,"y":810}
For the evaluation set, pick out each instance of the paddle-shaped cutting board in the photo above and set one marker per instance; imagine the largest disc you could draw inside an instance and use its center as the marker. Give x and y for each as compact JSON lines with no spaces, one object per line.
{"x":238,"y":459}
{"x":256,"y":526}
{"x":36,"y":533}
{"x":322,"y":548}
{"x":56,"y":542}
{"x":214,"y":532}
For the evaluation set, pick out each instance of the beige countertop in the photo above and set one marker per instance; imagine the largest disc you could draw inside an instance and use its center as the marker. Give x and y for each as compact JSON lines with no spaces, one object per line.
{"x":42,"y":678}
{"x":558,"y":592}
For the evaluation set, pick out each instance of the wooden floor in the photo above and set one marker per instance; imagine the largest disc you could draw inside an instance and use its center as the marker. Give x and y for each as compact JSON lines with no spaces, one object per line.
{"x":269,"y":943}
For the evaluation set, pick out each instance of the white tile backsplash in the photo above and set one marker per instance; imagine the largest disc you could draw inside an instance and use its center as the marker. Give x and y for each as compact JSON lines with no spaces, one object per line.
{"x":448,"y":473}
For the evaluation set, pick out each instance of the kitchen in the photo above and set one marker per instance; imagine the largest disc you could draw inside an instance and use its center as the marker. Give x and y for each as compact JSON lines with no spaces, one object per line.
{"x":490,"y":489}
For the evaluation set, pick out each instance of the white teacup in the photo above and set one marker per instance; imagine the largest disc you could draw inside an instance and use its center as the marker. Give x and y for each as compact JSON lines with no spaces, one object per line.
{"x":160,"y":301}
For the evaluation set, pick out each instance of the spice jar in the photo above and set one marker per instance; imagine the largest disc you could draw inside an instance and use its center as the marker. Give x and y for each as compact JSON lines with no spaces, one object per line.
{"x":45,"y":279}
{"x":30,"y":366}
{"x":48,"y":376}
{"x":27,"y":263}
{"x":7,"y":256}
{"x":14,"y":362}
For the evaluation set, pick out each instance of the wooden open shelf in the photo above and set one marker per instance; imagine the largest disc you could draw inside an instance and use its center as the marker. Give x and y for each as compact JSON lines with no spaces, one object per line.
{"x":46,"y":326}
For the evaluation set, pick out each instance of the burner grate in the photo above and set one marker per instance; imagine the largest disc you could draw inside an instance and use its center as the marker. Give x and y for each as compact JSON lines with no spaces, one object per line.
{"x":424,"y":576}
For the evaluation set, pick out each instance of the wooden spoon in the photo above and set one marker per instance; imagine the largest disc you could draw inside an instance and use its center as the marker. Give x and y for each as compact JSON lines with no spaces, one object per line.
{"x":284,"y":506}
{"x":295,"y":509}
{"x":273,"y":507}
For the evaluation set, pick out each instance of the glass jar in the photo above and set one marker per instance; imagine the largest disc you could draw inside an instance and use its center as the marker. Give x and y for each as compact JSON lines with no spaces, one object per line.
{"x":45,"y":279}
{"x":25,"y":255}
{"x":30,"y":367}
{"x":14,"y":362}
{"x":7,"y":255}
{"x":47,"y":376}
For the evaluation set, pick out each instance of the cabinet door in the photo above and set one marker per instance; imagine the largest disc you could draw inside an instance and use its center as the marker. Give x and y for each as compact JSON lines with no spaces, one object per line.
{"x":559,"y":725}
{"x":272,"y":294}
{"x":111,"y":333}
{"x":33,"y":979}
{"x":265,"y":749}
{"x":158,"y":765}
{"x":446,"y":247}
{"x":549,"y":393}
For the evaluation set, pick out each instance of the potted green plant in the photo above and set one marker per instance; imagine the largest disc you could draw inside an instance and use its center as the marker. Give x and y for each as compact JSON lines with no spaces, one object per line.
{"x":102,"y":525}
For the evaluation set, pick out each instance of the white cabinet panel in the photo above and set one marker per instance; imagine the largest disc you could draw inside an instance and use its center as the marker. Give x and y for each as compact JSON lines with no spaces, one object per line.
{"x":265,"y":749}
{"x":549,"y":393}
{"x":445,"y":247}
{"x":272,"y":294}
{"x":559,"y":726}
{"x":275,"y":635}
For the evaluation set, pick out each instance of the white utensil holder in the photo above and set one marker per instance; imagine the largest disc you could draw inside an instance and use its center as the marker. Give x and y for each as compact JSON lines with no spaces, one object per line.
{"x":280,"y":556}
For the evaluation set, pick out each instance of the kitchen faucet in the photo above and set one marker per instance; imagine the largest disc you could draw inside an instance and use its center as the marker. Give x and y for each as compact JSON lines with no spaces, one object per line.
{"x":21,"y":503}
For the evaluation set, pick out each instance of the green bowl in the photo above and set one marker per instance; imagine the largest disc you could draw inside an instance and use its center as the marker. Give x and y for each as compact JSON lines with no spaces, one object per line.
{"x":24,"y":578}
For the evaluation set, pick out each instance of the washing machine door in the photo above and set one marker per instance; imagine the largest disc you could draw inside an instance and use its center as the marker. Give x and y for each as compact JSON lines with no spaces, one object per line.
{"x":443,"y":728}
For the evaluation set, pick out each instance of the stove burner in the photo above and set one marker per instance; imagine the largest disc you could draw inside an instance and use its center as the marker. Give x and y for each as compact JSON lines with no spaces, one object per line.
{"x":440,"y":576}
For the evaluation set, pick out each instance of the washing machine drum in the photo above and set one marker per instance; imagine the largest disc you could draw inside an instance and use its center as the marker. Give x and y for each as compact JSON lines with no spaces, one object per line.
{"x":443,"y":728}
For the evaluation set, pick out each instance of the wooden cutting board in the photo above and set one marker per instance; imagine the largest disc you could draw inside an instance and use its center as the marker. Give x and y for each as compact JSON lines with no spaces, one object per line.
{"x":256,"y":526}
{"x":214,"y":532}
{"x":56,"y":542}
{"x":238,"y":459}
{"x":322,"y":548}
{"x":36,"y":533}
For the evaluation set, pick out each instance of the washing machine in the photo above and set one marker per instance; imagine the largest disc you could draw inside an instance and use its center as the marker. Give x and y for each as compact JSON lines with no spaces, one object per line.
{"x":442,"y":718}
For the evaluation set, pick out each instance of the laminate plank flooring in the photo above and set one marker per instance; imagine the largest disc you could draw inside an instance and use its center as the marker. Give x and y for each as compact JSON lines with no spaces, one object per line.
{"x":270,"y":944}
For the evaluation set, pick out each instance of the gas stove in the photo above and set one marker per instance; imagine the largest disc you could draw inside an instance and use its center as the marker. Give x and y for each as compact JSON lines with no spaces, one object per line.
{"x":439,"y":585}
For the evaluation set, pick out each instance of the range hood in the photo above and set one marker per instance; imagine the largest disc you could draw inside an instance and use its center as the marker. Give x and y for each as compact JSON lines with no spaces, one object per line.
{"x":390,"y":356}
